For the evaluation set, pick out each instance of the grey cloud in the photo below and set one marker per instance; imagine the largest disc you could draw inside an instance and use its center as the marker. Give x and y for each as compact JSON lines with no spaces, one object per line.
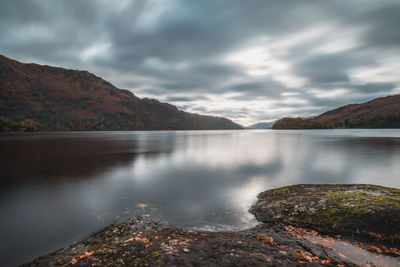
{"x":174,"y":48}
{"x":375,"y":87}
{"x":185,"y":98}
{"x":265,"y":87}
{"x":383,"y":24}
{"x":326,"y":68}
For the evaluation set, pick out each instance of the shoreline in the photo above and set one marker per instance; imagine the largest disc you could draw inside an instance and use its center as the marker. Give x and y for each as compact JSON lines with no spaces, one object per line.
{"x":285,"y":236}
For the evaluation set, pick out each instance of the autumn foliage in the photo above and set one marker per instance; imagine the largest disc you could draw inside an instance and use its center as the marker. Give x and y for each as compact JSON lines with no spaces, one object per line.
{"x":381,"y":112}
{"x":36,"y":97}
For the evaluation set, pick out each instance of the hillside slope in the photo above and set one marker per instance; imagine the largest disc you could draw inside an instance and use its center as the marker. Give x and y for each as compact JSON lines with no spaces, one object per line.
{"x":383,"y":112}
{"x":43,"y":98}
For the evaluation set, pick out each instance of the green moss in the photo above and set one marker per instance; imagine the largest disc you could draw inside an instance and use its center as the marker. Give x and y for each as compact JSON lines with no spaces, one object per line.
{"x":146,"y":258}
{"x":333,"y":205}
{"x":341,"y":205}
{"x":282,"y":190}
{"x":360,"y":203}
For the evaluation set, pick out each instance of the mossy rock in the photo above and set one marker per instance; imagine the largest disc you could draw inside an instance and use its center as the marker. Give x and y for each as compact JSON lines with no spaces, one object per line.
{"x":356,"y":209}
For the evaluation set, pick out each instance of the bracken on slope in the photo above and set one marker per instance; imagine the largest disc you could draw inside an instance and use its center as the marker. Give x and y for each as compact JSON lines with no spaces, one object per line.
{"x":43,"y":98}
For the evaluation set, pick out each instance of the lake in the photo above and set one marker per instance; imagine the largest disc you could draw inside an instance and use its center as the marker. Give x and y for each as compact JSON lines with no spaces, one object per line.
{"x":57,"y":188}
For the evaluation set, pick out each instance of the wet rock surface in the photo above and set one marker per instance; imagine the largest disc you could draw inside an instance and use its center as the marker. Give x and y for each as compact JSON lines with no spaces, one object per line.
{"x":278,"y":241}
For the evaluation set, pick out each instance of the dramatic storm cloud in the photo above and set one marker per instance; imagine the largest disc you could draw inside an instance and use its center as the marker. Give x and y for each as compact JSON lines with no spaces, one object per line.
{"x":250,"y":61}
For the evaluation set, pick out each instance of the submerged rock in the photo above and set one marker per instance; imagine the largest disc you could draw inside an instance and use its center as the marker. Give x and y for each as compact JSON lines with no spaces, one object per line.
{"x":278,"y":241}
{"x":367,"y":211}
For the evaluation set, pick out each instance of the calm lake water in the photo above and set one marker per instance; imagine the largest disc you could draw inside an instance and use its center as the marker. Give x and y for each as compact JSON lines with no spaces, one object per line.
{"x":57,"y":188}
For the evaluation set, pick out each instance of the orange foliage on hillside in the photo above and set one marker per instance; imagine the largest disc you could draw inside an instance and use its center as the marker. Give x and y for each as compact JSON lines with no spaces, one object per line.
{"x":58,"y":99}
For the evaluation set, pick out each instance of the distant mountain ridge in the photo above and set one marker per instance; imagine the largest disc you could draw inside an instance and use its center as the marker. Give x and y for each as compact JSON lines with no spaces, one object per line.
{"x":383,"y":112}
{"x":261,"y":125}
{"x":43,"y":98}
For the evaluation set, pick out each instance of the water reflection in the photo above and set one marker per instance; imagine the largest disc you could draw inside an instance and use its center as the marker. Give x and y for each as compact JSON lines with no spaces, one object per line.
{"x":58,"y":188}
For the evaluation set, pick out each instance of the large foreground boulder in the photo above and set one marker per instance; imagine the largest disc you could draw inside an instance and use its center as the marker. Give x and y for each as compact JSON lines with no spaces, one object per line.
{"x":357,"y":210}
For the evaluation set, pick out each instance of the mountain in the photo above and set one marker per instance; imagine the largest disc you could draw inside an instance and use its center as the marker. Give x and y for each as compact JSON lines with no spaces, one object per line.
{"x":43,"y":98}
{"x":261,"y":125}
{"x":383,"y":112}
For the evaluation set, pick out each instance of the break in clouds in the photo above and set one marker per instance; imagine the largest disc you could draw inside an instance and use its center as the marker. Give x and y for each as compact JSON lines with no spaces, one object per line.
{"x":249,"y":61}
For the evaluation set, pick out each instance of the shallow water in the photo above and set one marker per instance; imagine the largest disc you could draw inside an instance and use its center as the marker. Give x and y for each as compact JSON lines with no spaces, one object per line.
{"x":353,"y":254}
{"x":57,"y":188}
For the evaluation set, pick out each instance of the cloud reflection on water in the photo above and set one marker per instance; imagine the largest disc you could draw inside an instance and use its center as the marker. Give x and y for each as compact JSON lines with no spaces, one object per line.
{"x":58,"y":188}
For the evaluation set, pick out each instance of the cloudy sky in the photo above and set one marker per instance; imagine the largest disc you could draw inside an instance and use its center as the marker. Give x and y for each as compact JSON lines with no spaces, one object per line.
{"x":251,"y":61}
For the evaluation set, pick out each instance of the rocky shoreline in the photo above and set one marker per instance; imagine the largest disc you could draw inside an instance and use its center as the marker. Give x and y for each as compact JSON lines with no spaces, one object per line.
{"x":312,"y":225}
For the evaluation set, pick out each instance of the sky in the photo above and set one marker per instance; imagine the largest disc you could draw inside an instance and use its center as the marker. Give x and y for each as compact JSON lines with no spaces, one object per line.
{"x":249,"y":61}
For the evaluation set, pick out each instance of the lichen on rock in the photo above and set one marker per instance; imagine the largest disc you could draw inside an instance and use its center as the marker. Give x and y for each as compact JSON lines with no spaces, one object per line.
{"x":357,"y":209}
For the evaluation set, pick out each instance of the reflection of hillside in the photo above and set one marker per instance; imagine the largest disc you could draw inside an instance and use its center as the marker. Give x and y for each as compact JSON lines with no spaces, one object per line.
{"x":203,"y":179}
{"x":381,"y":144}
{"x":53,"y":159}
